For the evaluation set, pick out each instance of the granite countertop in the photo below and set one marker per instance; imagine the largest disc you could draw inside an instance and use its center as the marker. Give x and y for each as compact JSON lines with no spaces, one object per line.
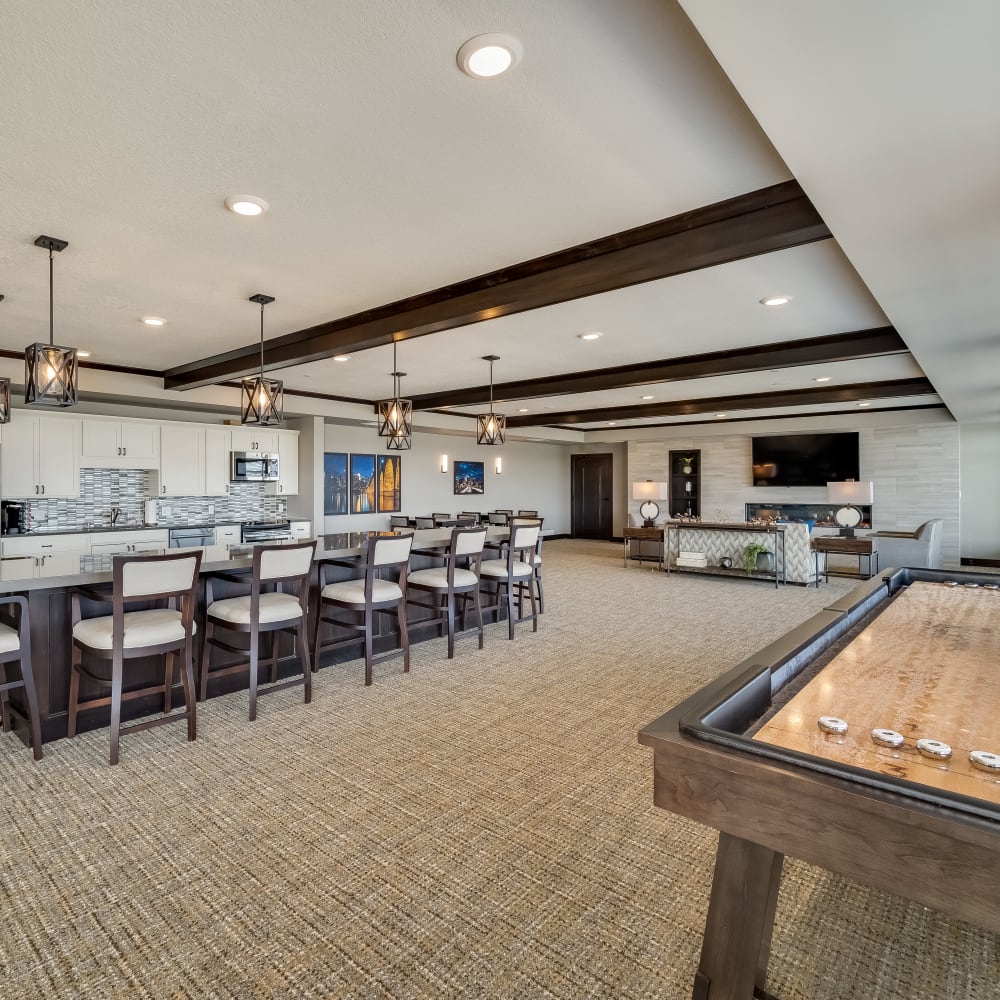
{"x":215,"y":559}
{"x":102,"y":528}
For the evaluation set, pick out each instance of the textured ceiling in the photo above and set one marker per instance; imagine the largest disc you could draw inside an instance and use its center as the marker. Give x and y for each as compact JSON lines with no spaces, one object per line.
{"x":389,"y":173}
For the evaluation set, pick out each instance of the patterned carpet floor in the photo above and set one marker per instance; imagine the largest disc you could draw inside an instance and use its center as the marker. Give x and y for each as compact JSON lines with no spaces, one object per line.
{"x":480,"y":828}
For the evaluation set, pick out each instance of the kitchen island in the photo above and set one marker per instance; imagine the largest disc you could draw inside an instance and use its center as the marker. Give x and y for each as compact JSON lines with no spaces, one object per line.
{"x":49,"y":606}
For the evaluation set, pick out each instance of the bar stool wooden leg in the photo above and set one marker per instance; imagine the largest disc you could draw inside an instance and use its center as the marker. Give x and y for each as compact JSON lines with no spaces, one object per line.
{"x":31,"y":698}
{"x":76,"y":657}
{"x":275,"y":636}
{"x":4,"y":704}
{"x":205,"y":652}
{"x":168,"y":682}
{"x":451,"y":627}
{"x":190,"y":692}
{"x":254,"y":667}
{"x":510,"y":609}
{"x":302,"y":635}
{"x":369,"y":615}
{"x":117,"y":670}
{"x":404,"y":634}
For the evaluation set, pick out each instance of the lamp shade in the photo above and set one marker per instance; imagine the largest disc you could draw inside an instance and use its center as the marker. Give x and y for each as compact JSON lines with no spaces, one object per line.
{"x":850,"y":492}
{"x":649,"y":490}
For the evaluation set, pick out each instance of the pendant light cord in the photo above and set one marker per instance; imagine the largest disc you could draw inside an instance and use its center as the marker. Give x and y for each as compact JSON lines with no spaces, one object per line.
{"x":491,"y":388}
{"x":262,"y":340}
{"x":51,"y":310}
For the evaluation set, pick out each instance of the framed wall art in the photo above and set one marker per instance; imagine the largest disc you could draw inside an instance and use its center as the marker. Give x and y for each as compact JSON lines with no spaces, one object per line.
{"x":335,"y":491}
{"x":469,"y":478}
{"x":362,"y":479}
{"x":389,"y":491}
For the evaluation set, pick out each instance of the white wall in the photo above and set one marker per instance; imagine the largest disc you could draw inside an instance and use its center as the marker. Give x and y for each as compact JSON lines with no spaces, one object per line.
{"x":981,"y":490}
{"x":535,"y":477}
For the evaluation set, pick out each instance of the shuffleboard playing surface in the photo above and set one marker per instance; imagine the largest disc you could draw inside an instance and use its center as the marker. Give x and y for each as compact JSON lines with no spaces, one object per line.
{"x":928,"y":667}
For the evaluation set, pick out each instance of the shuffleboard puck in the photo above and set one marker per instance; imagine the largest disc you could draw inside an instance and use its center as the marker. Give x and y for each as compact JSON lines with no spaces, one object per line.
{"x":934,"y":749}
{"x":831,"y":724}
{"x":985,"y":761}
{"x":887,"y":738}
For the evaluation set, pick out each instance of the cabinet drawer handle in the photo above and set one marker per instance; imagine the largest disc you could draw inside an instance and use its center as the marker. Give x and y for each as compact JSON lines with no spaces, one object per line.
{"x":124,"y":451}
{"x":49,"y":546}
{"x":43,"y":489}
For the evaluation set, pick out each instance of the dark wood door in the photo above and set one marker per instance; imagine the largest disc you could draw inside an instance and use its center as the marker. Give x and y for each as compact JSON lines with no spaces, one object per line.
{"x":592,"y":485}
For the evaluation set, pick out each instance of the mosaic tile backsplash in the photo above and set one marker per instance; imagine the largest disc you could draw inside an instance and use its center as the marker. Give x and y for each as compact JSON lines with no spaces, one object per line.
{"x":128,"y":489}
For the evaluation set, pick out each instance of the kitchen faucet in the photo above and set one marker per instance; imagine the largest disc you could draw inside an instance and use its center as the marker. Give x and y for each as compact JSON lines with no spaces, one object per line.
{"x":115,"y":514}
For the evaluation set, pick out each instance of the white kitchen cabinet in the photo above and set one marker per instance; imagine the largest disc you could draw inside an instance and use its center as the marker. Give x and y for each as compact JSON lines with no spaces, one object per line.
{"x":288,"y":465}
{"x":182,"y":461}
{"x":112,"y":444}
{"x":50,"y":555}
{"x":300,"y":529}
{"x":255,"y":439}
{"x":40,"y":457}
{"x":217,"y":448}
{"x":127,"y":542}
{"x":227,"y":534}
{"x":41,"y":545}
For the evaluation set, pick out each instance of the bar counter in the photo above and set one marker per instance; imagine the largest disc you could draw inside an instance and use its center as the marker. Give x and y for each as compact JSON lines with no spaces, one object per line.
{"x":49,"y":609}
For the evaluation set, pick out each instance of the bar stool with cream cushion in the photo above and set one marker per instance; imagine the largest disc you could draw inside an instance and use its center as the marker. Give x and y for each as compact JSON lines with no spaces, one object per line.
{"x":168,"y":581}
{"x":15,"y":645}
{"x":515,"y":573}
{"x":370,"y":595}
{"x":537,"y":562}
{"x":273,"y":611}
{"x":450,"y":581}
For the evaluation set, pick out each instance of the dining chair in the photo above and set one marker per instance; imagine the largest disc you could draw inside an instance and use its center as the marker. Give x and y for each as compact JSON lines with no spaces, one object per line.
{"x":15,"y":646}
{"x":513,"y":574}
{"x":458,"y":577}
{"x":399,"y":521}
{"x":168,"y":583}
{"x":263,"y":610}
{"x":367,"y":596}
{"x":424,"y":522}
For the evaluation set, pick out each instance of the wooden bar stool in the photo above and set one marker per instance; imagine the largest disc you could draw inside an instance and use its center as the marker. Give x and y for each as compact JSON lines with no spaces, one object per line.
{"x":446,"y":583}
{"x":515,"y":573}
{"x":537,"y":562}
{"x":15,"y":645}
{"x":166,"y":580}
{"x":277,"y":566}
{"x":370,"y":595}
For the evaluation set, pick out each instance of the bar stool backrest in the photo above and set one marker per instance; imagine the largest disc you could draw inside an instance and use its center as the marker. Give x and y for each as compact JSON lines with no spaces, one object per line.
{"x":389,"y":551}
{"x":467,"y":520}
{"x":283,"y":562}
{"x":145,"y":576}
{"x":399,"y":521}
{"x":501,"y":510}
{"x":424,"y":522}
{"x":497,"y":517}
{"x":527,"y":513}
{"x":524,"y":536}
{"x":467,"y":541}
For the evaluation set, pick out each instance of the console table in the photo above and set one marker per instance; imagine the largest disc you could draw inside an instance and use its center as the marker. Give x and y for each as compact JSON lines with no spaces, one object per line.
{"x":654,"y":534}
{"x":677,"y":530}
{"x":862,"y":546}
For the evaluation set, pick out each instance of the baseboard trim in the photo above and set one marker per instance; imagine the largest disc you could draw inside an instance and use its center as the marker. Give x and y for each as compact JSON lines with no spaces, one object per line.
{"x":975,"y":561}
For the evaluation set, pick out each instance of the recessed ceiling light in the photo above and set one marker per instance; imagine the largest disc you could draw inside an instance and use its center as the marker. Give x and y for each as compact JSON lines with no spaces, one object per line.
{"x":590,"y":336}
{"x":342,"y":357}
{"x":153,"y":320}
{"x":776,"y":300}
{"x":822,"y":378}
{"x":83,"y":354}
{"x":523,"y":409}
{"x":864,"y":404}
{"x":611,"y":423}
{"x":246,"y":204}
{"x":489,"y":55}
{"x":720,"y":415}
{"x":646,"y":397}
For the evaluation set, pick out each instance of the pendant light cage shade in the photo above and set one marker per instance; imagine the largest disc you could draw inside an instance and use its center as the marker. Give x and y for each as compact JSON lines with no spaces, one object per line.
{"x":50,"y":371}
{"x":395,"y":415}
{"x":50,"y":375}
{"x":491,"y":428}
{"x":4,"y":400}
{"x":263,"y":399}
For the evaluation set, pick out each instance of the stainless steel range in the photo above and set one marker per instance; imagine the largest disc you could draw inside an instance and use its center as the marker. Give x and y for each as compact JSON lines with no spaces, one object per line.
{"x":265,"y":531}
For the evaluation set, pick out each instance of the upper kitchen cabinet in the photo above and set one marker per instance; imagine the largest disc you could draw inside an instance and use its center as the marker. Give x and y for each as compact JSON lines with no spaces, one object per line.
{"x":255,"y":439}
{"x":110,"y":444}
{"x":288,"y":464}
{"x":217,"y":448}
{"x":40,"y":457}
{"x":182,"y":461}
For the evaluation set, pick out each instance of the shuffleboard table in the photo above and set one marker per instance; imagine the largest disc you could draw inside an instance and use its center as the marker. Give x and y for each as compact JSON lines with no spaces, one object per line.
{"x":810,"y":748}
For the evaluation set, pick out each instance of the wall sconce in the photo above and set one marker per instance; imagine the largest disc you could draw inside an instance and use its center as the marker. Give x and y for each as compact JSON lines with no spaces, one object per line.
{"x":498,"y":466}
{"x":444,"y":463}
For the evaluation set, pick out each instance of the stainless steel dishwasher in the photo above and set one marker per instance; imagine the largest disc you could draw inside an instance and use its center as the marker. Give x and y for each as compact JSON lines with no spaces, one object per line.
{"x":186,"y":538}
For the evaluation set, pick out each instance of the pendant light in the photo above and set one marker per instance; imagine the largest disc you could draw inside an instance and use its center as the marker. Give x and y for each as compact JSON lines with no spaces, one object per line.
{"x":263,"y":398}
{"x":491,"y":428}
{"x":50,"y":372}
{"x":395,"y":415}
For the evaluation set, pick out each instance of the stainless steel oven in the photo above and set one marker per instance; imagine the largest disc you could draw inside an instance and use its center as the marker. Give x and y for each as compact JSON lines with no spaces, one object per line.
{"x":253,"y":467}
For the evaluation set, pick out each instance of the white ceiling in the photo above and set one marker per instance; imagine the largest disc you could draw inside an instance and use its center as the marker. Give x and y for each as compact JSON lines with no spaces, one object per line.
{"x":389,"y":173}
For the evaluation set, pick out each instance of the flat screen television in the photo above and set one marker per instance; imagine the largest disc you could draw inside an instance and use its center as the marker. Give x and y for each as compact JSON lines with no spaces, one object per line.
{"x":805,"y":459}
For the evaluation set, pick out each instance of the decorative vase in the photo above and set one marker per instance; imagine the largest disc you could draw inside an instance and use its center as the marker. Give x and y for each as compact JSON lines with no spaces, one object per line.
{"x":765,"y":562}
{"x":688,"y":470}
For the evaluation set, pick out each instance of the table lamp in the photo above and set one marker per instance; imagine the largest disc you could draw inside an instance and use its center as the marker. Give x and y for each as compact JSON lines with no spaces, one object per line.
{"x":649,"y":492}
{"x":849,"y":493}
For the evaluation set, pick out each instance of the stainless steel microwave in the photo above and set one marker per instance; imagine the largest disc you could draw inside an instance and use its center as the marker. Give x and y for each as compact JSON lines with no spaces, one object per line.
{"x":253,"y":467}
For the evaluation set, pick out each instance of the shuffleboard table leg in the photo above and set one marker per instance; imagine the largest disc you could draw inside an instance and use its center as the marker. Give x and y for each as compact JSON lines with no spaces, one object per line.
{"x":737,"y":942}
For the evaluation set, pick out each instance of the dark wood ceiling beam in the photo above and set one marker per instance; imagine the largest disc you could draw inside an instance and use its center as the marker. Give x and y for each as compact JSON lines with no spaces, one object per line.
{"x":773,"y":218}
{"x":766,"y":357}
{"x":890,"y":389}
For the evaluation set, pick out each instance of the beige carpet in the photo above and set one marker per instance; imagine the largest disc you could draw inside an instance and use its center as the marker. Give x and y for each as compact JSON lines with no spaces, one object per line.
{"x":480,"y":828}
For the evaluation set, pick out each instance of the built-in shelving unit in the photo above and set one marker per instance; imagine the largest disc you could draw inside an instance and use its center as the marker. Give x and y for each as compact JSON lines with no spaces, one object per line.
{"x":685,"y":483}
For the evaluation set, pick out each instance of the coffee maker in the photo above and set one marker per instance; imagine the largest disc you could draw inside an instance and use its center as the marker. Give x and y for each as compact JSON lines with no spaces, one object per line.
{"x":10,"y":517}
